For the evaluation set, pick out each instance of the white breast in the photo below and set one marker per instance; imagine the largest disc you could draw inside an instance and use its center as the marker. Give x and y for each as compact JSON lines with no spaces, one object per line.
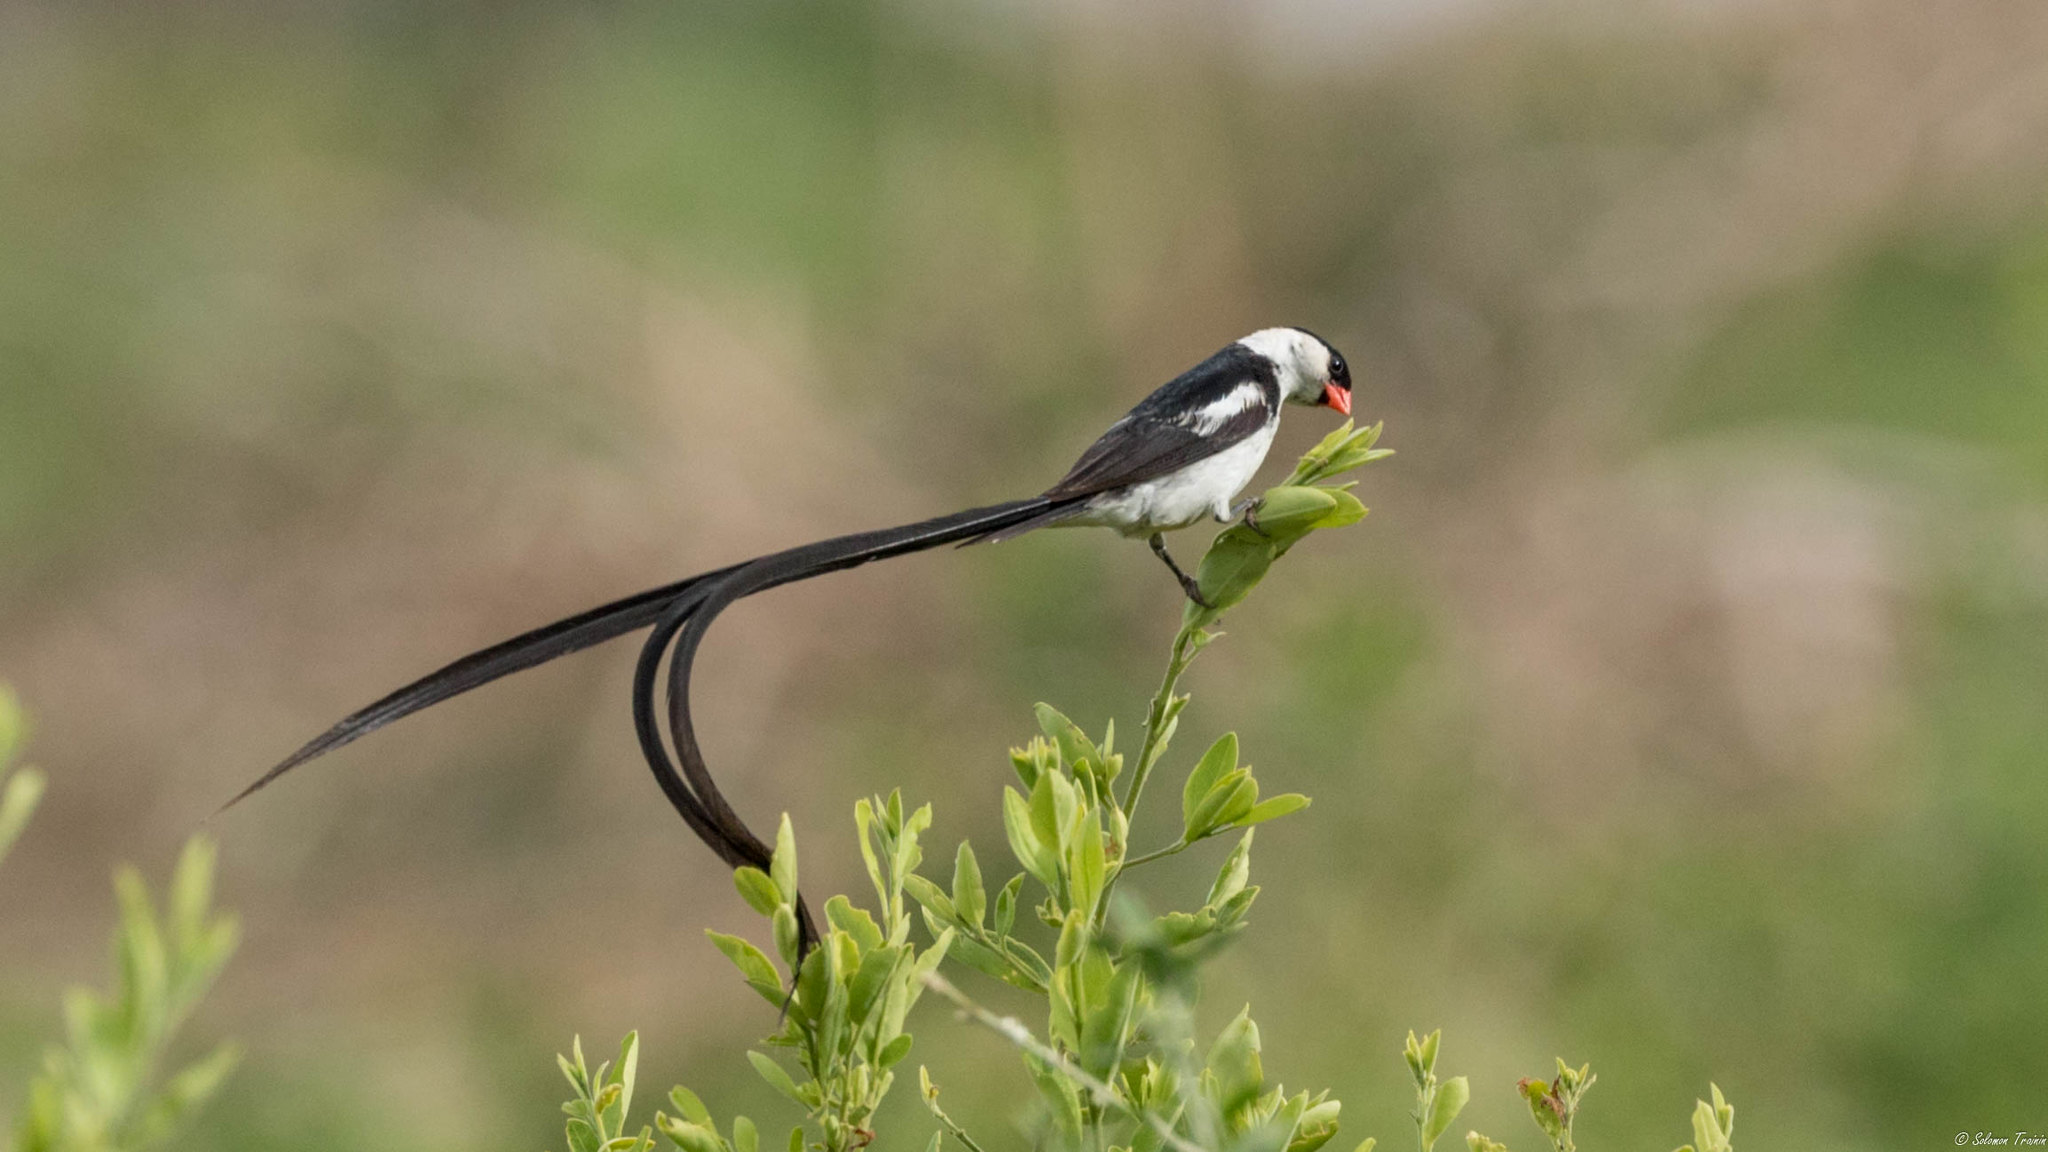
{"x":1178,"y":499}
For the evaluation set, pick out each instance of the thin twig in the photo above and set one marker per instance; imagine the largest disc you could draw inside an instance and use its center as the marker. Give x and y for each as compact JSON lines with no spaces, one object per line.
{"x":931,"y":1103}
{"x":1173,"y":849}
{"x":1155,"y":720}
{"x":1012,"y":1029}
{"x":1184,"y":650}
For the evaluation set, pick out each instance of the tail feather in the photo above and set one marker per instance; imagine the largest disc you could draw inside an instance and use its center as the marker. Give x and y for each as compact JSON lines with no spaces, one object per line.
{"x":687,"y":606}
{"x":686,"y":780}
{"x":1054,"y":515}
{"x":526,"y":650}
{"x":692,"y":611}
{"x":691,"y":792}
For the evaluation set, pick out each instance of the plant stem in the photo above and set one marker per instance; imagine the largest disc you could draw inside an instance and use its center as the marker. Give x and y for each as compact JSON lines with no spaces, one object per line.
{"x":953,"y":1128}
{"x":960,"y":1134}
{"x":1013,"y":1030}
{"x":1172,"y":849}
{"x":1184,"y":650}
{"x":1156,"y":720}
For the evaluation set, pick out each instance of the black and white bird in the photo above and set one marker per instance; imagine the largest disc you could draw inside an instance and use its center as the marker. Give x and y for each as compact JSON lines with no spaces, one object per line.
{"x":1186,"y":451}
{"x":1181,"y":456}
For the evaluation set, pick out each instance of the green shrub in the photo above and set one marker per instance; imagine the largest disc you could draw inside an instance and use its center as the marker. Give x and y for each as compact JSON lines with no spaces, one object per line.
{"x":21,"y":789}
{"x":1118,"y":1064}
{"x":103,"y":1090}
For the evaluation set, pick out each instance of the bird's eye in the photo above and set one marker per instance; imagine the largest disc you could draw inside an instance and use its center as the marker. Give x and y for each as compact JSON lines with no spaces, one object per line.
{"x":1339,"y":370}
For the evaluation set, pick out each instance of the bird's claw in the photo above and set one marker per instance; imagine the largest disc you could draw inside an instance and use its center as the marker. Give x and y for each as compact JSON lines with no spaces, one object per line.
{"x":1194,"y":591}
{"x":1250,"y":510}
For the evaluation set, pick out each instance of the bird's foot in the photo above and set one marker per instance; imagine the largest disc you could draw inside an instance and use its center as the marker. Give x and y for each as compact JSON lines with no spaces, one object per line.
{"x":1187,"y":583}
{"x":1249,"y":509}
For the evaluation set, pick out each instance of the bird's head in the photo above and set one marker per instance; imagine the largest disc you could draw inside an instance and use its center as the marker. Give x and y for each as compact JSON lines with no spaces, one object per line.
{"x":1311,"y":371}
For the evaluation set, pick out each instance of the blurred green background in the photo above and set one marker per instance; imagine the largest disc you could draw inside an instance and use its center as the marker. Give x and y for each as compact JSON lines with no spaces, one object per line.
{"x":1683,"y":708}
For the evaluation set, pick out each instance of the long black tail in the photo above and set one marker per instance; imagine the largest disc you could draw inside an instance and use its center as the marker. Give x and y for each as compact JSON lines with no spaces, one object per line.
{"x":526,"y":650}
{"x":687,"y":780}
{"x":687,"y":606}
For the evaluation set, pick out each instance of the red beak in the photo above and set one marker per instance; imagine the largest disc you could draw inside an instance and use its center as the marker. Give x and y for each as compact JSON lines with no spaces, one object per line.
{"x":1338,"y":398}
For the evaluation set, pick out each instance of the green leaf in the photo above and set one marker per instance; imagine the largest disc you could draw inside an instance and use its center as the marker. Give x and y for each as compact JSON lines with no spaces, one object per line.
{"x":1006,"y":905}
{"x":744,"y":1137}
{"x":1026,"y":762}
{"x":1073,"y":937}
{"x":893,"y":1052}
{"x":777,"y":1079}
{"x":1234,"y":565}
{"x":1024,"y":843}
{"x":191,"y":895}
{"x":690,"y":1136}
{"x":1063,"y":1097}
{"x":753,"y":965}
{"x":1236,"y":870}
{"x":928,"y":962}
{"x":1340,"y":451}
{"x":930,"y":895}
{"x":786,"y":934}
{"x":1105,"y":1025}
{"x":12,"y":721}
{"x":1243,"y":798}
{"x":578,"y":1072}
{"x":686,"y":1102}
{"x":782,"y":866}
{"x":1348,"y":511}
{"x":1214,"y":808}
{"x":985,"y":960}
{"x":816,"y":979}
{"x":863,"y":823}
{"x":1067,"y":736}
{"x":1290,"y":512}
{"x":1547,"y":1109}
{"x":1220,"y":759}
{"x":144,"y":963}
{"x":855,"y":922}
{"x":1707,"y":1130}
{"x":869,"y":980}
{"x":908,"y":856}
{"x":192,"y":1087}
{"x":628,"y":1069}
{"x":17,"y":800}
{"x":1318,"y":457}
{"x":1050,"y":803}
{"x":1450,"y":1100}
{"x":1087,"y":868}
{"x":759,"y":891}
{"x":970,"y":899}
{"x":1234,"y":1059}
{"x":1316,"y":1126}
{"x":1273,"y":809}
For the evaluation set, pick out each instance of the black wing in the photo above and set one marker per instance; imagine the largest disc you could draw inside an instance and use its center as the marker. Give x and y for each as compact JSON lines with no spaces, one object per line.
{"x":1197,"y":414}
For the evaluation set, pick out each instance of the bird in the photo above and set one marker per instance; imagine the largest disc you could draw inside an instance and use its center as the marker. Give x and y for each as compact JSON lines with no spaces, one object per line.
{"x":1186,"y":451}
{"x":1182,"y":455}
